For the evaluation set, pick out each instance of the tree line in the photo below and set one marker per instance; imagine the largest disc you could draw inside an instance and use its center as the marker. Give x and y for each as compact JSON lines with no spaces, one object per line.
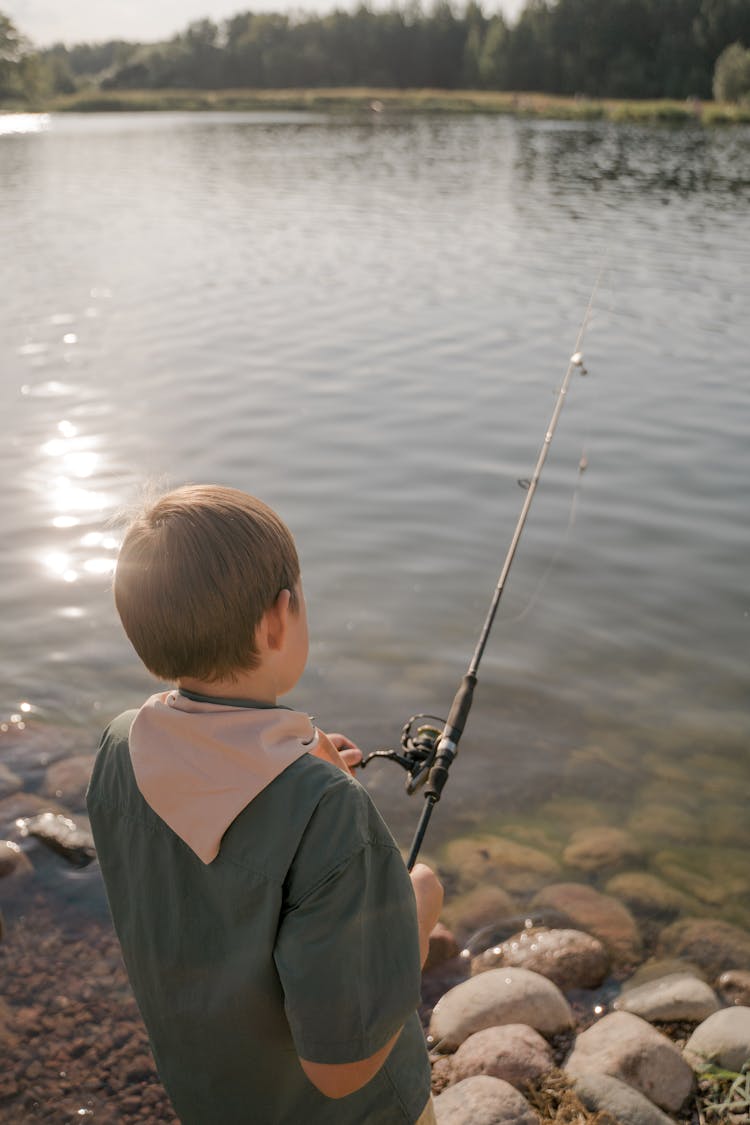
{"x":596,"y":48}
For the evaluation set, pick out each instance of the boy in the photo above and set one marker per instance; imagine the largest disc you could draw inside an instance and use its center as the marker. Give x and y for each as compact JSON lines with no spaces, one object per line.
{"x":271,"y":934}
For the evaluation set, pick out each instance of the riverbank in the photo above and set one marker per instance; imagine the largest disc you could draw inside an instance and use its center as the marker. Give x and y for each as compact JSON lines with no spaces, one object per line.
{"x":384,"y":102}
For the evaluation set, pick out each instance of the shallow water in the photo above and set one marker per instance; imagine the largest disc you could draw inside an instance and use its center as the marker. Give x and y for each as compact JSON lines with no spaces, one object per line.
{"x":365,"y":322}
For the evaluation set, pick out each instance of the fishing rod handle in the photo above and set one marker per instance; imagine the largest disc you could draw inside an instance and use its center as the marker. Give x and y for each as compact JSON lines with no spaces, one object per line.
{"x":460,"y":708}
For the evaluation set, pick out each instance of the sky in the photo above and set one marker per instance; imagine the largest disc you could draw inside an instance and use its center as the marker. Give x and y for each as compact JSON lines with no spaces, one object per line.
{"x":75,"y":21}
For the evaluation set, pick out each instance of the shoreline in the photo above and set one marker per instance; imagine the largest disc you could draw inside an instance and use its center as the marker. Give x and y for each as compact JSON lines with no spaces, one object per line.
{"x":378,"y":103}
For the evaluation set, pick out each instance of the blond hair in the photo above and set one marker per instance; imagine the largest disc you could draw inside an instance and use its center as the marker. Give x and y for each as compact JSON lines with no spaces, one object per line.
{"x":197,"y":570}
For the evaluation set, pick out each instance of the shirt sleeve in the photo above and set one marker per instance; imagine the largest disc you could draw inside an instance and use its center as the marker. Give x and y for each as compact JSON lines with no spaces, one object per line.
{"x":347,"y":949}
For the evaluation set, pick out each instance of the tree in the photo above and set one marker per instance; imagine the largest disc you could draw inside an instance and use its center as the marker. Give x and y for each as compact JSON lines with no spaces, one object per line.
{"x":732,"y":74}
{"x":12,"y":47}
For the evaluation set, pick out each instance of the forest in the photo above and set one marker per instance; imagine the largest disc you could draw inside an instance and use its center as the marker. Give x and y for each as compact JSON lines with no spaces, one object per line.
{"x":593,"y":48}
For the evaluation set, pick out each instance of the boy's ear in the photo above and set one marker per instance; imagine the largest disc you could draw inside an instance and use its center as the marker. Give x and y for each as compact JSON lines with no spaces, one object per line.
{"x":273,"y":625}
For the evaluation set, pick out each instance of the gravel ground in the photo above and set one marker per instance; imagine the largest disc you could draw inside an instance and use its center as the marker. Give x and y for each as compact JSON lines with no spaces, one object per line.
{"x":72,"y":1044}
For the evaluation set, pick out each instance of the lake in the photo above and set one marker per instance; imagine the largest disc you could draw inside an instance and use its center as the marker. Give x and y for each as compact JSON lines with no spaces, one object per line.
{"x":365,"y":322}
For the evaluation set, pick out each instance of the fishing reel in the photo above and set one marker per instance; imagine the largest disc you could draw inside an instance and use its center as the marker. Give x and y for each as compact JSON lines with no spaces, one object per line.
{"x":419,"y":741}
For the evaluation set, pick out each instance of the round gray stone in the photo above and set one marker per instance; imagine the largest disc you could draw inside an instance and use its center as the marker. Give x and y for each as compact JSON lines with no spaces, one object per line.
{"x":513,"y":1052}
{"x":483,"y":1101}
{"x":723,"y":1038}
{"x":591,"y":849}
{"x":500,"y":996}
{"x":602,"y":1092}
{"x":569,"y":958}
{"x":678,"y":996}
{"x":627,"y":1047}
{"x":735,"y":986}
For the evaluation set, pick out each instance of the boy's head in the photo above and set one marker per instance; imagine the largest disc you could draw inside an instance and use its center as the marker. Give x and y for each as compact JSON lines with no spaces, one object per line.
{"x":197,"y":573}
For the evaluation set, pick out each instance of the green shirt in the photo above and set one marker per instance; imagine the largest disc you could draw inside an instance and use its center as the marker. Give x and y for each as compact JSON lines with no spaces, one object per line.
{"x":299,"y":940}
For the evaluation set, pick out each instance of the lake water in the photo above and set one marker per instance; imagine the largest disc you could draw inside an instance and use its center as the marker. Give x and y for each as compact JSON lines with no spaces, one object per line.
{"x":365,"y":322}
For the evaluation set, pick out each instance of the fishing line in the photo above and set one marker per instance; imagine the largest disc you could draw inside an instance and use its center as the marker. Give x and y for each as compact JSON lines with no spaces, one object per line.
{"x":428,"y":751}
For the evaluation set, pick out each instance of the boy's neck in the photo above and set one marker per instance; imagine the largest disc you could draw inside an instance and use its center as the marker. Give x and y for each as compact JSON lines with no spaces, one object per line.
{"x":245,"y":685}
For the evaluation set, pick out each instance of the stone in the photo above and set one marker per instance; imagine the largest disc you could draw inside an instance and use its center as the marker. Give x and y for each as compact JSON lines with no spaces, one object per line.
{"x":735,"y":986}
{"x":483,"y":1101}
{"x":627,"y":1047}
{"x":569,"y":958}
{"x":68,"y":780}
{"x":657,"y":821}
{"x":494,"y":859}
{"x":653,"y":969}
{"x":603,"y":1093}
{"x":70,"y":840}
{"x":592,"y":849}
{"x":713,"y":945}
{"x":499,"y":996}
{"x":601,"y":915}
{"x":714,"y":875}
{"x":9,"y":782}
{"x":443,"y":947}
{"x":478,"y":908}
{"x":648,"y":895}
{"x":516,"y":1053}
{"x":723,"y":1038}
{"x":24,"y":804}
{"x":678,"y":996}
{"x":13,"y":863}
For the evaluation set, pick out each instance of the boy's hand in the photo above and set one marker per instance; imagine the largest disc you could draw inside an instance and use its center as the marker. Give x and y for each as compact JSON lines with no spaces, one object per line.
{"x":339,"y":750}
{"x":428,"y":891}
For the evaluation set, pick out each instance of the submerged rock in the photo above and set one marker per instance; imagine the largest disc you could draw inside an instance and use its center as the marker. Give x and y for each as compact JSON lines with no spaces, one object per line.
{"x":13,"y":863}
{"x":592,"y":849}
{"x":601,"y":915}
{"x":678,"y":996}
{"x":648,"y":895}
{"x":62,"y":835}
{"x":569,"y":958}
{"x":502,"y":862}
{"x":478,"y":908}
{"x":68,"y":779}
{"x":483,"y":1101}
{"x":602,"y":1092}
{"x":627,"y":1047}
{"x":499,"y":996}
{"x":735,"y":986}
{"x":714,"y":946}
{"x":23,"y":804}
{"x":723,"y":1038}
{"x":654,"y":969}
{"x":515,"y":1052}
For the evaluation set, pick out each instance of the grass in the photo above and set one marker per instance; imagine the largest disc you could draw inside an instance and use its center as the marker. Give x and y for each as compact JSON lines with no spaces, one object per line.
{"x":722,"y":1094}
{"x":377,"y":101}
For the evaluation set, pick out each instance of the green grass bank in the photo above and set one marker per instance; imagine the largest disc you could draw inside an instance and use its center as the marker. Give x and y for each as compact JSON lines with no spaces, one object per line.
{"x":389,"y":101}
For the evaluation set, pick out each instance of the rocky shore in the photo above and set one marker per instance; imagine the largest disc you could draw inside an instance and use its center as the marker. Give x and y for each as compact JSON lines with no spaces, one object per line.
{"x":571,"y":980}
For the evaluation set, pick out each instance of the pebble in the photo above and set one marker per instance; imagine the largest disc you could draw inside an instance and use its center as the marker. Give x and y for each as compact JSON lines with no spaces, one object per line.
{"x":483,"y":1101}
{"x":724,"y":1038}
{"x":62,"y":835}
{"x":655,"y":968}
{"x":13,"y":863}
{"x":24,"y":804}
{"x":735,"y":986}
{"x":648,"y":895}
{"x":516,"y":1053}
{"x":499,"y":996}
{"x":714,"y":946}
{"x":481,"y":907}
{"x":501,"y":862}
{"x":443,"y":947}
{"x":627,"y":1047}
{"x":602,"y":1092}
{"x":68,"y":779}
{"x":678,"y":996}
{"x":591,"y":849}
{"x":569,"y":958}
{"x":601,"y":915}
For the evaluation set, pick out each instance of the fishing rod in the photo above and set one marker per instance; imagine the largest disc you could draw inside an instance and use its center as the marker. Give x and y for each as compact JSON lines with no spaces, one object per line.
{"x":428,"y":751}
